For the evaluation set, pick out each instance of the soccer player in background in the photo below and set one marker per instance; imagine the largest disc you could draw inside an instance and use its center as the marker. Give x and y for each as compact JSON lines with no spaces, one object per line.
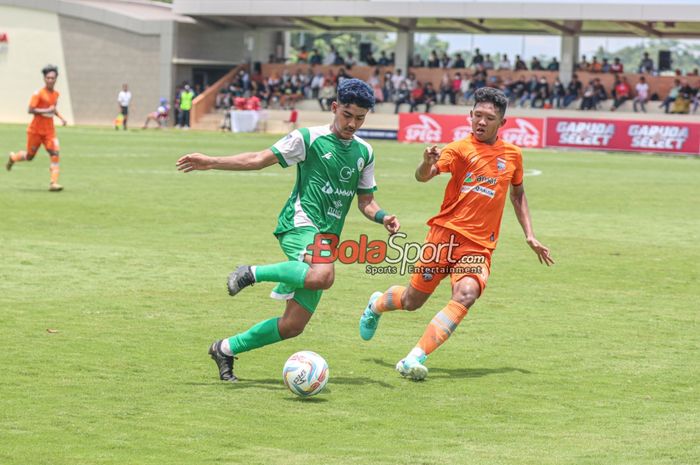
{"x":482,"y":168}
{"x":41,"y":130}
{"x":333,"y":165}
{"x":124,"y":99}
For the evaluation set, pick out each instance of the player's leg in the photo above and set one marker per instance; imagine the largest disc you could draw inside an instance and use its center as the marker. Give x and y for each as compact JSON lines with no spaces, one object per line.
{"x":298,"y":272}
{"x":395,"y":298}
{"x":52,"y":146}
{"x":297,"y":314}
{"x":33,"y":143}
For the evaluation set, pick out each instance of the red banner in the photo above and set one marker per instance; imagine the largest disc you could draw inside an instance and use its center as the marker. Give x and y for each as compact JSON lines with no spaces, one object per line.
{"x":433,"y":128}
{"x":640,"y":136}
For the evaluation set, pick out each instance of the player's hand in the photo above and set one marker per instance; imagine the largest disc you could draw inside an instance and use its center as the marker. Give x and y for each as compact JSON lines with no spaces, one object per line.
{"x":391,"y":223}
{"x":194,"y":161}
{"x":63,"y":122}
{"x":431,"y":155}
{"x":541,"y":251}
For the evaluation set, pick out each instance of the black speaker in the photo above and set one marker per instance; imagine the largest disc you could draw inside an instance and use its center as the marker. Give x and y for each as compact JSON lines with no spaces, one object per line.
{"x":365,"y":51}
{"x":664,"y":60}
{"x":257,"y":67}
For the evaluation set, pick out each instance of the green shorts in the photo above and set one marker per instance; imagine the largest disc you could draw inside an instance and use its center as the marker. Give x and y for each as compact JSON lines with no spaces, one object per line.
{"x":294,"y":244}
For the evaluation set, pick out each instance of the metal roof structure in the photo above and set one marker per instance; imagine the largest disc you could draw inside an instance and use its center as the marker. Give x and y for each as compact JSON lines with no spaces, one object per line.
{"x":645,"y":18}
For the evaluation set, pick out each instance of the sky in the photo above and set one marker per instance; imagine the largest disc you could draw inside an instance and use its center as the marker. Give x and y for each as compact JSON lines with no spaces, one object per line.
{"x":529,"y":46}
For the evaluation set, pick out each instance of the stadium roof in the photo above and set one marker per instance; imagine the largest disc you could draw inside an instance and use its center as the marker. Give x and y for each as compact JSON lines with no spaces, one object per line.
{"x":646,"y":18}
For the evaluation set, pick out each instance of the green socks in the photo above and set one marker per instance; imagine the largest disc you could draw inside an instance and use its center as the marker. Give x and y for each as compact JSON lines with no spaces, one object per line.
{"x":292,"y":273}
{"x":262,"y":334}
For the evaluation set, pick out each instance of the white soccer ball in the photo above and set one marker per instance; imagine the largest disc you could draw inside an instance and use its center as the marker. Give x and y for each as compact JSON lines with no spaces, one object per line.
{"x":305,"y":373}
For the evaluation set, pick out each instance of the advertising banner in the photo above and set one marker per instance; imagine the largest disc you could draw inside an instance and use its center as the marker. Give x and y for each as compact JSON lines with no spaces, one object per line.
{"x":432,"y":129}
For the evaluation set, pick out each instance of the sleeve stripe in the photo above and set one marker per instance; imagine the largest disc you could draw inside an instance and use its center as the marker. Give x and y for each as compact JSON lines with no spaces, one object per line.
{"x":366,"y":191}
{"x":279,"y":156}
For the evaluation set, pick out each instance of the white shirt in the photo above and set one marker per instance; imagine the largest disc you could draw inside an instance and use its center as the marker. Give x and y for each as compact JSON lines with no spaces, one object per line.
{"x":642,"y":90}
{"x":124,"y":98}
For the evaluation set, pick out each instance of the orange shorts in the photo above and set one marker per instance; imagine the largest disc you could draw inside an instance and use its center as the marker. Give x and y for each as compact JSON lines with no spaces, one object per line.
{"x":34,"y":141}
{"x":458,"y":257}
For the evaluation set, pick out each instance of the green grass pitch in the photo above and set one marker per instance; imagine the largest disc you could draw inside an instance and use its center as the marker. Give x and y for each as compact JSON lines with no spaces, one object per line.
{"x":593,"y":361}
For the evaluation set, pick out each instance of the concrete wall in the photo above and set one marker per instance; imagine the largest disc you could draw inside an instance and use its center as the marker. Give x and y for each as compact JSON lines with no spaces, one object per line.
{"x":34,"y":41}
{"x":100,"y":59}
{"x":197,"y":42}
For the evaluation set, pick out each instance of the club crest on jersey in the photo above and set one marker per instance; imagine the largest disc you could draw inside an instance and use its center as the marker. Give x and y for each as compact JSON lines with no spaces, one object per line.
{"x":360,"y":164}
{"x":346,"y":173}
{"x":500,"y":164}
{"x":427,"y":276}
{"x":469,"y":178}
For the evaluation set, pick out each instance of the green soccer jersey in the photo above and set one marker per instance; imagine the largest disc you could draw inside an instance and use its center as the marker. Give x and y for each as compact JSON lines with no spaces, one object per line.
{"x":329,"y":173}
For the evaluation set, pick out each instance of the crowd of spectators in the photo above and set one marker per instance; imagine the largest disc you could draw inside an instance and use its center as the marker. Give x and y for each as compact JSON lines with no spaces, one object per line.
{"x":459,"y":83}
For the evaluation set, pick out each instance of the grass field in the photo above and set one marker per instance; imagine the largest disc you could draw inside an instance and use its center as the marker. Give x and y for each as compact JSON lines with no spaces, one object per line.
{"x":593,"y":361}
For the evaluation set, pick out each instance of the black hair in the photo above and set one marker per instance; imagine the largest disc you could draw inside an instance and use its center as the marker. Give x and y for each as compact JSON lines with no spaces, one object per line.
{"x":355,"y":91}
{"x":49,"y":68}
{"x":493,"y":96}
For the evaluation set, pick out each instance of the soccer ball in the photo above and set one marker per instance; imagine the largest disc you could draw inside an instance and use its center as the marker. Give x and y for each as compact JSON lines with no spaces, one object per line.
{"x":305,"y":373}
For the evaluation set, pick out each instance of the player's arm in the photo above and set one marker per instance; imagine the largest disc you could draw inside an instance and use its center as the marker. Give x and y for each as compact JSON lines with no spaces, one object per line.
{"x":522,"y":212}
{"x":427,"y":169}
{"x":242,"y":162}
{"x":373,"y":212}
{"x":48,"y":111}
{"x":59,"y":116}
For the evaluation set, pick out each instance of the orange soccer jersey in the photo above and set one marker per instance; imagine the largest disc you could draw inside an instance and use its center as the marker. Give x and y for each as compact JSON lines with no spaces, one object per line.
{"x":42,"y":99}
{"x":476,"y":194}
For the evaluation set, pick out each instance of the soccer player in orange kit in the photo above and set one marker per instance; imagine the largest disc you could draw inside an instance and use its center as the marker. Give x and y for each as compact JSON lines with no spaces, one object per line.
{"x":482,"y":168}
{"x":41,"y":130}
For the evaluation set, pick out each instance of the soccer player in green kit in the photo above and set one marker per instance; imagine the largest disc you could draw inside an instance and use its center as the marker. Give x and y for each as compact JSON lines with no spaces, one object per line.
{"x":332,"y":166}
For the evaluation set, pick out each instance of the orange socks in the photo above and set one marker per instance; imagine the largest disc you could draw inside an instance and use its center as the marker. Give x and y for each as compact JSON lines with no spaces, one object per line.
{"x":441,"y":326}
{"x":19,"y":156}
{"x":390,"y":300}
{"x":54,"y":169}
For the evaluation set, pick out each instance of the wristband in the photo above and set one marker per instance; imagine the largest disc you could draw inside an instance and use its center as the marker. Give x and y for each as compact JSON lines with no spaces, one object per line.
{"x":379,"y":217}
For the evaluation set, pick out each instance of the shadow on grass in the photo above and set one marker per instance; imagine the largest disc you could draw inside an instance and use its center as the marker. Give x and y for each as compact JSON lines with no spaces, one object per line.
{"x":437,"y":372}
{"x":278,"y":384}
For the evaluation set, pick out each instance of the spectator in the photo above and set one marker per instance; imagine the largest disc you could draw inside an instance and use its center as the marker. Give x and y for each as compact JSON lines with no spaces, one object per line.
{"x":535,"y":64}
{"x":478,"y":58}
{"x":596,"y":66}
{"x":617,"y":67}
{"x":456,"y":87}
{"x":446,"y":89}
{"x":388,"y":90}
{"x":383,"y":60}
{"x":459,"y":61}
{"x":317,"y":84}
{"x":553,"y":65}
{"x":444,"y":60}
{"x":621,"y":93}
{"x":520,"y":64}
{"x":463,"y":91}
{"x":558,"y":92}
{"x":642,"y":94}
{"x":392,"y":58}
{"x":488,"y":62}
{"x":326,"y":96}
{"x":370,"y":60}
{"x":478,"y":81}
{"x":605,"y":66}
{"x":542,"y":94}
{"x":588,"y":100}
{"x":573,"y":90}
{"x":601,"y":94}
{"x":647,"y":64}
{"x":518,"y":89}
{"x":682,"y":103}
{"x":303,"y":55}
{"x":397,"y":79}
{"x":403,"y":95}
{"x":331,"y":57}
{"x":433,"y":60}
{"x":410,"y":81}
{"x":672,"y":95}
{"x":417,"y":61}
{"x":315,"y":58}
{"x":504,"y":64}
{"x":416,"y":96}
{"x":583,"y":65}
{"x":350,"y":61}
{"x":429,"y":96}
